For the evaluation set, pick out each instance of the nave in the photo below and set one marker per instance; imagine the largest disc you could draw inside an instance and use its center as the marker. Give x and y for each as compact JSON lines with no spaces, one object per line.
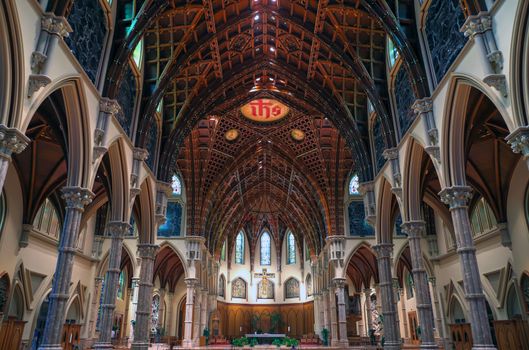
{"x":264,"y":173}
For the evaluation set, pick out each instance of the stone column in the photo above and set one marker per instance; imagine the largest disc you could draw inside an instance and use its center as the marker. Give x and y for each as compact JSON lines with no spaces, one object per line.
{"x":334,"y":319}
{"x":317,"y":308}
{"x":457,"y":198}
{"x":415,"y":229}
{"x":188,"y":322}
{"x":404,"y":313}
{"x":326,"y":315}
{"x":95,"y":305}
{"x":369,"y":320}
{"x":339,"y":284}
{"x":203,"y":311}
{"x":134,"y":306}
{"x":76,"y":198}
{"x":117,"y":231}
{"x":196,"y":316}
{"x":147,"y":254}
{"x":11,"y":141}
{"x":170,"y":315}
{"x":387,"y":297}
{"x":161,"y":309}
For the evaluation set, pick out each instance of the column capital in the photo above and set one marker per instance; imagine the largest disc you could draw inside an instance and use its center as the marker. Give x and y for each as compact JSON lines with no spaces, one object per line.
{"x":391,"y":153}
{"x":519,"y":140}
{"x":118,"y":229}
{"x":368,"y":291}
{"x":147,"y":250}
{"x":57,"y":25}
{"x":140,"y":154}
{"x":339,"y":283}
{"x":77,"y":197}
{"x":383,"y":250}
{"x":456,"y":196}
{"x":191,"y":282}
{"x":422,"y":105}
{"x":477,"y":24}
{"x":12,"y":141}
{"x":414,"y":229}
{"x":109,"y":106}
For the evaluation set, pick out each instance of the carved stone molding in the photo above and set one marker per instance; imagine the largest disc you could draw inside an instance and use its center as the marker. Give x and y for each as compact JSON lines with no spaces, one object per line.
{"x":118,"y":229}
{"x":414,"y":229}
{"x":77,"y":197}
{"x":147,"y":250}
{"x":456,"y":196}
{"x":519,"y":141}
{"x":36,"y":82}
{"x":498,"y":82}
{"x":383,"y":250}
{"x":12,"y":141}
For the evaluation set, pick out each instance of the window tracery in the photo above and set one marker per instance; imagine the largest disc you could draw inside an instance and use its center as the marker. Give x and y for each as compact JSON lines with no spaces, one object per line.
{"x":266,"y":249}
{"x":47,"y":220}
{"x":239,"y":248}
{"x":291,"y":248}
{"x":354,"y":185}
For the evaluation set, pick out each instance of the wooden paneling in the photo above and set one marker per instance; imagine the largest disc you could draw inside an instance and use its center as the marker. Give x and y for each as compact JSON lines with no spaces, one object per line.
{"x":236,"y":319}
{"x":512,"y":334}
{"x":11,"y":334}
{"x":461,"y":336}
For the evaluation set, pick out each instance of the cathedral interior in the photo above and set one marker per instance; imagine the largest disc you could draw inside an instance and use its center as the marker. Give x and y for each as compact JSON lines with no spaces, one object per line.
{"x":264,"y":173}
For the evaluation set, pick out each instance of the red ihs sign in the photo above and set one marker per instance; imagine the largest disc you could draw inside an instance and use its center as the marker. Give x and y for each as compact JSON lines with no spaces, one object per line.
{"x":264,"y":110}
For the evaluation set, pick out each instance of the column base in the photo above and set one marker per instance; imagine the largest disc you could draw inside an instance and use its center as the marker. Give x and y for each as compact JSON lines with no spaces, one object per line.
{"x":484,"y":347}
{"x":392,"y":346}
{"x":429,"y":346}
{"x":98,"y":346}
{"x":187,"y":343}
{"x":139,"y":346}
{"x":343,"y":343}
{"x":50,"y":347}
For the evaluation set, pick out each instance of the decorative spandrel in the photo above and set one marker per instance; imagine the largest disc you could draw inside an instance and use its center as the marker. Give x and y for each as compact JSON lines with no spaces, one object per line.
{"x":264,"y":110}
{"x":292,"y":288}
{"x":238,"y":289}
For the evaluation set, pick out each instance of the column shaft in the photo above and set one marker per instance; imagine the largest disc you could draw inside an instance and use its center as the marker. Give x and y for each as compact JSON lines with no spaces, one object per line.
{"x":76,"y":199}
{"x":369,"y":314}
{"x":170,"y":315}
{"x":143,"y":308}
{"x":415,"y":229}
{"x":188,"y":322}
{"x":326,"y":314}
{"x":117,"y":231}
{"x":203,"y":311}
{"x":387,"y":297}
{"x":457,"y":197}
{"x":334,"y":320}
{"x":342,"y":317}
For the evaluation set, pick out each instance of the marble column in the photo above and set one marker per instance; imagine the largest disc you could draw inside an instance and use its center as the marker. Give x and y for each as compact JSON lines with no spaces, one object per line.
{"x":94,"y":308}
{"x":134,"y":306}
{"x":161,"y":309}
{"x":321,"y":314}
{"x":369,"y":315}
{"x":387,"y":297}
{"x":457,"y":198}
{"x":11,"y":141}
{"x":339,"y":284}
{"x":147,"y":253}
{"x":403,"y":312}
{"x":117,"y":231}
{"x":414,"y":230}
{"x":317,"y":307}
{"x":188,"y":322}
{"x":326,"y":315}
{"x":76,"y":198}
{"x":334,"y":319}
{"x":196,"y":316}
{"x":170,"y":315}
{"x":203,"y":311}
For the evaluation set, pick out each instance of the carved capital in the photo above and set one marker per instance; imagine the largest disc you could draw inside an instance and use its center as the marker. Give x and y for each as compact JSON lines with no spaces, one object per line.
{"x":118,"y":229}
{"x":498,"y":82}
{"x":391,"y":153}
{"x":477,"y":24}
{"x":109,"y":106}
{"x":12,"y":141}
{"x":414,"y":229}
{"x":383,"y":250}
{"x":147,"y":250}
{"x":56,"y":25}
{"x":36,"y":82}
{"x":140,"y":154}
{"x":77,"y":197}
{"x":519,"y":140}
{"x":191,"y":282}
{"x":365,"y":187}
{"x":194,"y":248}
{"x":37,"y":61}
{"x":339,"y":283}
{"x":423,"y":105}
{"x":456,"y":196}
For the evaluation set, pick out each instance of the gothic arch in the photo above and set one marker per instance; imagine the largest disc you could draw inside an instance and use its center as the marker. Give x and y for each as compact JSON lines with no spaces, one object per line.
{"x":520,"y":65}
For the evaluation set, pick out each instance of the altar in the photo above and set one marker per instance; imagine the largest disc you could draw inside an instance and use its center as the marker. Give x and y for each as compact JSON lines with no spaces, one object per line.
{"x":265,"y":338}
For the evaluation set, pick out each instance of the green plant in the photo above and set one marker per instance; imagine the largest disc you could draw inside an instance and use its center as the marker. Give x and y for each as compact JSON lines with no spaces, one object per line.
{"x":275,"y":322}
{"x":253,"y":342}
{"x":240,"y":342}
{"x":325,"y":336}
{"x":290,"y":342}
{"x":277,"y":342}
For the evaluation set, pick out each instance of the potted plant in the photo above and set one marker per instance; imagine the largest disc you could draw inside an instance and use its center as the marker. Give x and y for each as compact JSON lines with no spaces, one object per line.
{"x":277,"y":342}
{"x":325,"y":336}
{"x":253,"y":342}
{"x":206,"y":335}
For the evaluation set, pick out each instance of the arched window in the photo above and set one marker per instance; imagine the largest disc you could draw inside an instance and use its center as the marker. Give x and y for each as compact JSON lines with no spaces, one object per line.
{"x":47,"y":220}
{"x":155,"y":312}
{"x":121,"y":287}
{"x":222,"y":286}
{"x":239,"y":248}
{"x":266,"y":249}
{"x":137,"y":54}
{"x":176,"y":184}
{"x":482,"y":217}
{"x":393,"y":53}
{"x":223,"y":252}
{"x":291,"y":248}
{"x":354,"y":184}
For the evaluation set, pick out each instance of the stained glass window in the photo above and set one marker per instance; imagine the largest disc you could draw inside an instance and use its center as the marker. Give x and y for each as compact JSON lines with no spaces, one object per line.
{"x":137,"y":54}
{"x":121,"y":288}
{"x":265,"y":249}
{"x":155,"y":309}
{"x":239,"y":248}
{"x":176,"y":185}
{"x":223,"y":252}
{"x":291,"y":248}
{"x":393,"y":53}
{"x":47,"y":220}
{"x":354,"y":184}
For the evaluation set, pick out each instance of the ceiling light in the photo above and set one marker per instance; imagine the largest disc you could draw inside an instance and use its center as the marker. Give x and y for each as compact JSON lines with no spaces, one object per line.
{"x":273,"y":49}
{"x":256,"y":17}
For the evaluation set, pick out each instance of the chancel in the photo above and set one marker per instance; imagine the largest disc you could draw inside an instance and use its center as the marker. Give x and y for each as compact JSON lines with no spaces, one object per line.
{"x":351,"y":174}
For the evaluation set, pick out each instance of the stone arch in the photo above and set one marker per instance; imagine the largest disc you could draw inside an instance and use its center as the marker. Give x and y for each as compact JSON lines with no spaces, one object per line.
{"x":11,"y":65}
{"x":456,"y":309}
{"x":75,"y":310}
{"x":386,"y":204}
{"x":17,"y":302}
{"x":520,"y":65}
{"x":362,"y":260}
{"x":147,"y":225}
{"x":452,"y":133}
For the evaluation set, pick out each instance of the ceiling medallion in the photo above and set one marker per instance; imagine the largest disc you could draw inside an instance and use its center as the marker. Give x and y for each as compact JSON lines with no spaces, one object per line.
{"x":264,"y":110}
{"x":297,"y":135}
{"x":231,"y":135}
